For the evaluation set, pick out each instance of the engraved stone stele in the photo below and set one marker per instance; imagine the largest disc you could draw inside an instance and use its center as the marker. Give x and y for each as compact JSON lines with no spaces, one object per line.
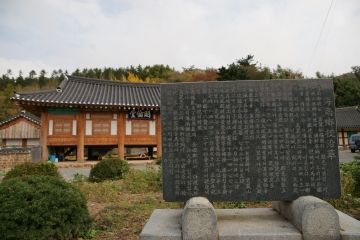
{"x":199,"y":220}
{"x":249,"y":140}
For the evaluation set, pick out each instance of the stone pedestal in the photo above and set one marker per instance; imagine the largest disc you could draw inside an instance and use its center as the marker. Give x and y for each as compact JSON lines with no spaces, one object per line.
{"x":304,"y":218}
{"x":199,"y":220}
{"x":313,"y":217}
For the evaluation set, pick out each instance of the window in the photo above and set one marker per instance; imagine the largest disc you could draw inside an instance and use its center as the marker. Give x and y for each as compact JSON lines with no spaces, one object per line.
{"x":140,"y":127}
{"x":62,"y":126}
{"x":343,"y":138}
{"x":101,"y":123}
{"x":101,"y":127}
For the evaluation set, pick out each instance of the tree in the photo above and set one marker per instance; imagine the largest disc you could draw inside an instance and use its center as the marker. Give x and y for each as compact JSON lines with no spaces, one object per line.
{"x":131,"y":78}
{"x":238,"y":70}
{"x":42,"y":78}
{"x":356,"y":71}
{"x":245,"y":69}
{"x":54,"y":74}
{"x":233,"y":72}
{"x":9,"y":72}
{"x":285,"y":73}
{"x":6,"y":105}
{"x":77,"y":73}
{"x":32,"y":74}
{"x":4,"y":81}
{"x":20,"y":80}
{"x":246,"y":62}
{"x":347,"y":89}
{"x":206,"y":76}
{"x":190,"y":69}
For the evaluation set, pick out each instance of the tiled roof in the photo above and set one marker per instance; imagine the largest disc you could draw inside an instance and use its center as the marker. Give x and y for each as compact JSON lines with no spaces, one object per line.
{"x":348,"y":117}
{"x":23,"y":114}
{"x":88,"y":91}
{"x":15,"y":150}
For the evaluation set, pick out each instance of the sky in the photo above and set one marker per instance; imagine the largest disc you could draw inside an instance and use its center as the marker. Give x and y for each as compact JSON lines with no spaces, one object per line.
{"x":70,"y":34}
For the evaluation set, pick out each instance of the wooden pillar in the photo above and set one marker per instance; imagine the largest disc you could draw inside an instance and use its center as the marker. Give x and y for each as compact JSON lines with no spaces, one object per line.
{"x":3,"y":143}
{"x":158,"y":135}
{"x":80,"y":137}
{"x":44,"y":133}
{"x":121,"y":133}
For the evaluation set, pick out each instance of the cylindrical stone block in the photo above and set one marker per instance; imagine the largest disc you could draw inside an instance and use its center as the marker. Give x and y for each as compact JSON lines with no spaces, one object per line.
{"x":313,"y":217}
{"x":199,"y":220}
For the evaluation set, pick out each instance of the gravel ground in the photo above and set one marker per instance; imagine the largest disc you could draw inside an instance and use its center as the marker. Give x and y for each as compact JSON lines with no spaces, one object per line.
{"x":347,"y":156}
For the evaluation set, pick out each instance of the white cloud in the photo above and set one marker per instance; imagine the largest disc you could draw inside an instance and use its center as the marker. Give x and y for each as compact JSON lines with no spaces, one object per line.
{"x":77,"y":34}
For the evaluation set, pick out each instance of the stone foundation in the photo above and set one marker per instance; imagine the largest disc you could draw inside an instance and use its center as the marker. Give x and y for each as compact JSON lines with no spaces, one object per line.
{"x":305,"y":218}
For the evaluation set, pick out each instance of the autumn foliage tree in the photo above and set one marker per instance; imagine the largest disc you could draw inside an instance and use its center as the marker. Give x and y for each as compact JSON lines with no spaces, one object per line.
{"x":208,"y":75}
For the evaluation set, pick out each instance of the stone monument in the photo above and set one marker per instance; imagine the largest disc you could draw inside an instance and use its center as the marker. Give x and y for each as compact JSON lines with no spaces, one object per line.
{"x":273,"y":140}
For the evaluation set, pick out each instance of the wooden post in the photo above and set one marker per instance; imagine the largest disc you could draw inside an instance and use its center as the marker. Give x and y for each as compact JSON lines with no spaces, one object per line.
{"x":44,"y":133}
{"x":158,"y":135}
{"x":4,"y":143}
{"x":121,"y":133}
{"x":80,"y":137}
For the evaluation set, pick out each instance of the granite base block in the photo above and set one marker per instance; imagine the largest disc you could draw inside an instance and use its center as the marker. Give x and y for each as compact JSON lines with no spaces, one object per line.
{"x":199,"y":214}
{"x":349,"y":227}
{"x":313,"y":217}
{"x":258,"y":223}
{"x":164,"y":224}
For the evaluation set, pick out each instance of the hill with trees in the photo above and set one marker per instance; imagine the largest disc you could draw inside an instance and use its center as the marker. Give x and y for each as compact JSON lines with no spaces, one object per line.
{"x":346,"y":86}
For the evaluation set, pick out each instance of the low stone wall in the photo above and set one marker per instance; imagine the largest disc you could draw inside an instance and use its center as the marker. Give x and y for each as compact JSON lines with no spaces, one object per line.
{"x":13,"y":157}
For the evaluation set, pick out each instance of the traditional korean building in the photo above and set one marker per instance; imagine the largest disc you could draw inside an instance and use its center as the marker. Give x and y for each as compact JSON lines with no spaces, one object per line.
{"x":348,"y":123}
{"x":85,"y":113}
{"x":21,"y":130}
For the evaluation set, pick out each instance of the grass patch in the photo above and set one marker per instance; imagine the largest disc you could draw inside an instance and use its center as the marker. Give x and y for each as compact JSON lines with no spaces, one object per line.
{"x":139,"y":181}
{"x":128,"y":218}
{"x":103,"y":192}
{"x":126,"y":204}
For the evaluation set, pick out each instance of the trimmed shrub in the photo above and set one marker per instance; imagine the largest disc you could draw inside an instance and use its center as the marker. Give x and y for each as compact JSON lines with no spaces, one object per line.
{"x":109,"y":169}
{"x":353,"y":168}
{"x":42,"y":207}
{"x":30,"y":168}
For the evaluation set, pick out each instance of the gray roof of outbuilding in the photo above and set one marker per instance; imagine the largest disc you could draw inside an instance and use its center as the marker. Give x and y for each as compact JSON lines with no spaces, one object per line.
{"x":23,"y":114}
{"x":88,"y":91}
{"x":348,"y":117}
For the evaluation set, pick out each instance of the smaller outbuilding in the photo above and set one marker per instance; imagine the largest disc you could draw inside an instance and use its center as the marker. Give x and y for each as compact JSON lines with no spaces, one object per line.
{"x":21,"y":130}
{"x":348,"y":123}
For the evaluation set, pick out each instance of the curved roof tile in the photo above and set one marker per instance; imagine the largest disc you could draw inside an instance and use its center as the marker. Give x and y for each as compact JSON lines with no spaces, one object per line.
{"x":88,"y":91}
{"x":348,"y":117}
{"x":23,"y":114}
